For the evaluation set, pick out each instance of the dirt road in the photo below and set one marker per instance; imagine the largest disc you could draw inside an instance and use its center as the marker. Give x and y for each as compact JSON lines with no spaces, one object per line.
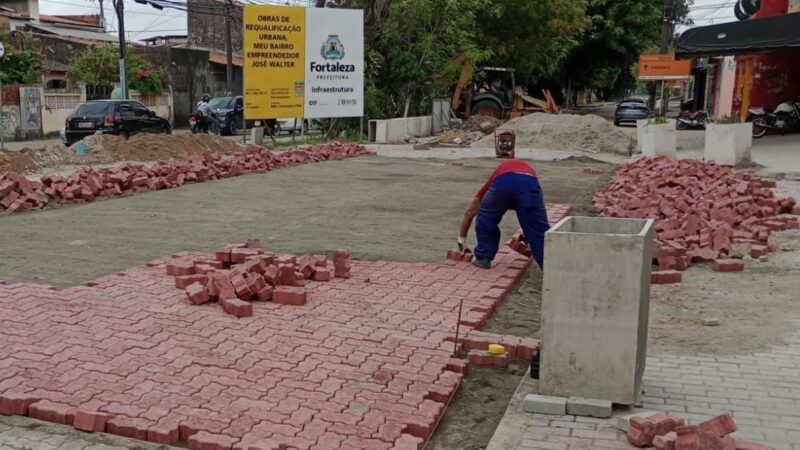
{"x":379,"y":207}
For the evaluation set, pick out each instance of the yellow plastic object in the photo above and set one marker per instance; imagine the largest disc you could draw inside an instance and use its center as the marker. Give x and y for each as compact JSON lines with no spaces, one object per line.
{"x":496,"y":349}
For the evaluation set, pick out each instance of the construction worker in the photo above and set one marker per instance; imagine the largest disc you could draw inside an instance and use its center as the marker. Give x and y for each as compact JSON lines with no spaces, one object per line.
{"x":512,"y":185}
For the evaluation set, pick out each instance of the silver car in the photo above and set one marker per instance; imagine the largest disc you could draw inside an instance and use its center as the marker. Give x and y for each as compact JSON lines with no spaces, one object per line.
{"x":630,"y":110}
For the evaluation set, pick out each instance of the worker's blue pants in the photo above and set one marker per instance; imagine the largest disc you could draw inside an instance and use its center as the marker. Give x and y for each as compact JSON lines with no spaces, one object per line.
{"x":523,"y":194}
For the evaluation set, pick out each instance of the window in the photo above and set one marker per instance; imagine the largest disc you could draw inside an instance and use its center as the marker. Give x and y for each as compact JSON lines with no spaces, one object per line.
{"x":92,"y":109}
{"x":140,"y":110}
{"x":56,"y":84}
{"x":125,"y":110}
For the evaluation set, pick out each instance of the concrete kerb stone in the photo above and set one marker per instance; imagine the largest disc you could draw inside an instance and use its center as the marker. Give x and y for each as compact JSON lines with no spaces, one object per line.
{"x":545,"y":404}
{"x":588,"y":407}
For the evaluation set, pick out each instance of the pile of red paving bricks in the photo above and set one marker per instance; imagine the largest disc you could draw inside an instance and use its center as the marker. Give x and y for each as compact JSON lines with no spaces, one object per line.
{"x":672,"y":433}
{"x":18,"y":194}
{"x":703,"y":212}
{"x":243,"y":272}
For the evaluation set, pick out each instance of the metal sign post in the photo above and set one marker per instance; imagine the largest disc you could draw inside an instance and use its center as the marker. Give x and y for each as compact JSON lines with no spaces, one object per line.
{"x":2,"y":130}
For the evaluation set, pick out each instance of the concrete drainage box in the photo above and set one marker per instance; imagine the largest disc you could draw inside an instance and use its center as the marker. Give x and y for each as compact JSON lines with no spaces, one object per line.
{"x":595,"y":307}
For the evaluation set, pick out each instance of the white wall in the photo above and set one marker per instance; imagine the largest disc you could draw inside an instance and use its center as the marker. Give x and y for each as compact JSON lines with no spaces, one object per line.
{"x":55,"y":109}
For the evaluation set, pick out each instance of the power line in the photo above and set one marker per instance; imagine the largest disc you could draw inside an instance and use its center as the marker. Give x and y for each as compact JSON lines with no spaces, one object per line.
{"x":718,"y":5}
{"x":159,"y":20}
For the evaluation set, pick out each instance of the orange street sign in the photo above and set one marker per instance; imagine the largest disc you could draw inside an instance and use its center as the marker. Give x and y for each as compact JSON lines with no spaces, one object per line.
{"x":665,"y":69}
{"x":657,"y":57}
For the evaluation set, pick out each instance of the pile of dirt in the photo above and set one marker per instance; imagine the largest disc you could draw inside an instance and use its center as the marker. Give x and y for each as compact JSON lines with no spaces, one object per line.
{"x":460,"y":137}
{"x":484,"y":124}
{"x":105,"y":148}
{"x":21,"y":161}
{"x":151,"y":147}
{"x":587,"y":133}
{"x":473,"y":130}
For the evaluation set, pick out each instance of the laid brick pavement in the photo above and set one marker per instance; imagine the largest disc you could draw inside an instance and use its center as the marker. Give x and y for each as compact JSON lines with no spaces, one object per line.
{"x":364,"y":364}
{"x":761,"y":390}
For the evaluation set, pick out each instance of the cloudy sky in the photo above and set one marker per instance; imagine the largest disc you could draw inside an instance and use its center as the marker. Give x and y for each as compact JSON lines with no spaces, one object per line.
{"x":142,"y":21}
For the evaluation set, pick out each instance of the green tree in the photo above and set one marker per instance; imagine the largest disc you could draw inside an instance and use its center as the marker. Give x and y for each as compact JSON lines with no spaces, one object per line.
{"x":531,"y":36}
{"x":617,"y":34}
{"x":20,"y":65}
{"x":100,"y":66}
{"x":420,"y":42}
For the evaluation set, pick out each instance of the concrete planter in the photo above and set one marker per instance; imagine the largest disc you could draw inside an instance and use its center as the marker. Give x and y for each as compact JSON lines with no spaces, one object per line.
{"x":728,"y":144}
{"x":657,"y":140}
{"x":639,"y":126}
{"x":595,"y":307}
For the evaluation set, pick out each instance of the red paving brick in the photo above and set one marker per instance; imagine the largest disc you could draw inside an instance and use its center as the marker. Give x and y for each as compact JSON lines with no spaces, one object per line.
{"x":360,"y":365}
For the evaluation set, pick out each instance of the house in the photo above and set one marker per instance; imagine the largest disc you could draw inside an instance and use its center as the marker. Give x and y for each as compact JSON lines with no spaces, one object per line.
{"x":206,"y":31}
{"x":166,"y":41}
{"x":749,"y":63}
{"x":57,"y":38}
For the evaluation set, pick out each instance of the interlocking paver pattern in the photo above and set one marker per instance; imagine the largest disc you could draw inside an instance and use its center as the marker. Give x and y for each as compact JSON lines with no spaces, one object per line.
{"x":358,"y":366}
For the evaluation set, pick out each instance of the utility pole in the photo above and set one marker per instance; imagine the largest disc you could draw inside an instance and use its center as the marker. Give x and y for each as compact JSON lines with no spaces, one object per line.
{"x":102,"y":15}
{"x":229,"y":46}
{"x":123,"y":66}
{"x":667,"y":30}
{"x":667,"y":26}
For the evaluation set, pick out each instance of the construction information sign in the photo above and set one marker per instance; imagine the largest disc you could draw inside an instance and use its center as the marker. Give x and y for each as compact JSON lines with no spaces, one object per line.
{"x":274,"y":59}
{"x":334,"y":63}
{"x":301,"y":62}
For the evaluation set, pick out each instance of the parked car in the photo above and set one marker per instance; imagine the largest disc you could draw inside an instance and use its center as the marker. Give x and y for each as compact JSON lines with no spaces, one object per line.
{"x":230,"y":113}
{"x":301,"y":126}
{"x":119,"y":117}
{"x":630,"y":110}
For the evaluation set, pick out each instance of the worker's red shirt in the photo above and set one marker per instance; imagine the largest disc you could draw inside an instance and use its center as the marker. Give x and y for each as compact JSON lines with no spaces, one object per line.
{"x":509,"y":166}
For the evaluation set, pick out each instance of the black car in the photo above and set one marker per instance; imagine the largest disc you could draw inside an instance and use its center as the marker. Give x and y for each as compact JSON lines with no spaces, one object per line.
{"x":630,"y":110}
{"x":230,"y":113}
{"x":120,"y":117}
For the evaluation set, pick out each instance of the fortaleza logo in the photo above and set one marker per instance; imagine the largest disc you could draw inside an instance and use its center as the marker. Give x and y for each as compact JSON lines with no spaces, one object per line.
{"x":332,"y":50}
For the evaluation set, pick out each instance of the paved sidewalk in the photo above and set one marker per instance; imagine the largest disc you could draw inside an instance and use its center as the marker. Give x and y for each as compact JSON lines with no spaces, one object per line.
{"x":761,"y":390}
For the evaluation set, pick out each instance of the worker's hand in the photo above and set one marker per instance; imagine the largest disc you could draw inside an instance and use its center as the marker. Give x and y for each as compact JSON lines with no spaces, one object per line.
{"x":523,"y":240}
{"x":462,"y":247}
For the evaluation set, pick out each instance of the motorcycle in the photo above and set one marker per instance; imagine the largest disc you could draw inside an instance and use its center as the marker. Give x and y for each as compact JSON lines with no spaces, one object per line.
{"x":196,"y":122}
{"x":688,"y":120}
{"x":786,"y":116}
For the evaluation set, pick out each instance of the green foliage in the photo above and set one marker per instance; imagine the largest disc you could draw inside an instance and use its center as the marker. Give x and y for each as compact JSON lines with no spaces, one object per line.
{"x":100,"y":66}
{"x":531,"y":36}
{"x":618,"y":32}
{"x":729,"y":119}
{"x":23,"y":66}
{"x":412,"y":46}
{"x":657,"y":120}
{"x":419,"y":43}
